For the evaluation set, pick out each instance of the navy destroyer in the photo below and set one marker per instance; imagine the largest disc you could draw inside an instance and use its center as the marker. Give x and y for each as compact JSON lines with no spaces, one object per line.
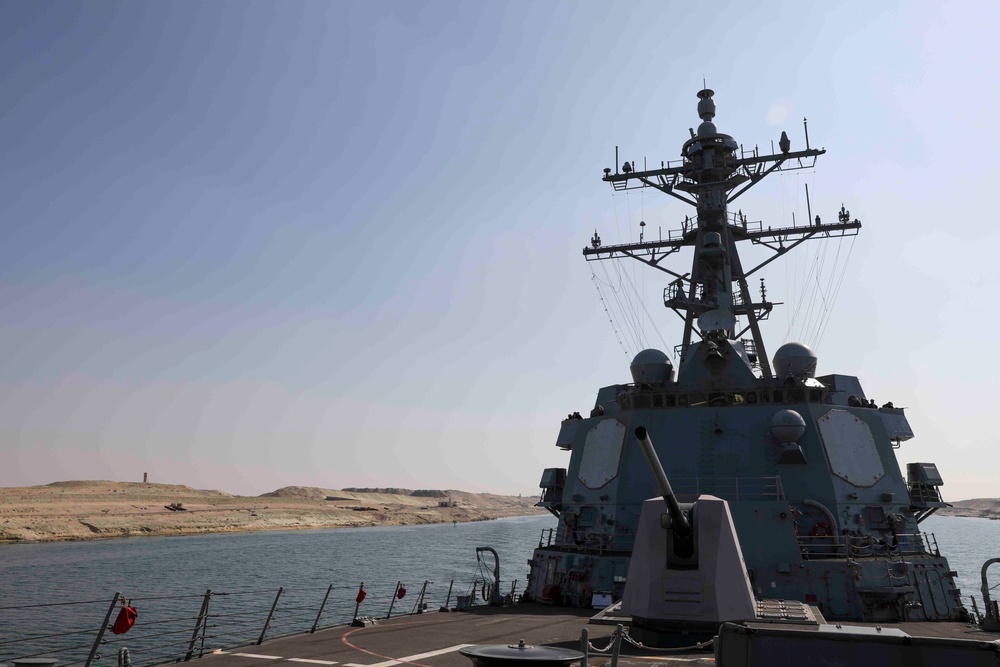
{"x":823,"y":512}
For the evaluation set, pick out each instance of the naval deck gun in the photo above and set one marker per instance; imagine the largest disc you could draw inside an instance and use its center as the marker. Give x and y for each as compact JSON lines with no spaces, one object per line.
{"x":679,"y":523}
{"x":687,"y":572}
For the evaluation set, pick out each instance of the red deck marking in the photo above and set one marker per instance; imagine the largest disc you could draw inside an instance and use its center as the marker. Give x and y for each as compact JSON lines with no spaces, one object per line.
{"x":344,"y":639}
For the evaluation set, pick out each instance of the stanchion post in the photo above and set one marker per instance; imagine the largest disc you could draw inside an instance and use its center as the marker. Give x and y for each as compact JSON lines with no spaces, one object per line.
{"x":357,"y":602}
{"x":395,"y":593}
{"x":447,"y":601}
{"x":321,"y":608}
{"x":616,"y":649}
{"x":199,"y":626}
{"x":270,"y":615}
{"x":418,"y":604}
{"x":100,"y":632}
{"x":584,"y":645}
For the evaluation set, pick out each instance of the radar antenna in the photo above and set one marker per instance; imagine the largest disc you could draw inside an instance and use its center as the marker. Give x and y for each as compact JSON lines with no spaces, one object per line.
{"x":712,"y":173}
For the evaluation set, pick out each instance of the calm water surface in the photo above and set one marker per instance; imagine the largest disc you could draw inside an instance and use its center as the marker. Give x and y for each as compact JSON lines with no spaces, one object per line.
{"x":244,"y":571}
{"x":146,"y":566}
{"x":250,"y":567}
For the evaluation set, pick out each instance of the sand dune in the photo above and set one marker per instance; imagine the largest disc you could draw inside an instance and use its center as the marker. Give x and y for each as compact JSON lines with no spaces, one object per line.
{"x":81,"y":510}
{"x":981,"y":507}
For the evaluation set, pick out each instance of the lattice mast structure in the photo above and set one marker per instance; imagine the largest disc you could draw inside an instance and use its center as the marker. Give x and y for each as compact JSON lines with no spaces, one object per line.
{"x":713,"y":172}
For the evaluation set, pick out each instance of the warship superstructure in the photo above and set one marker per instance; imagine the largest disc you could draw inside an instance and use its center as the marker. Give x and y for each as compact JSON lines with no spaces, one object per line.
{"x":822,"y":509}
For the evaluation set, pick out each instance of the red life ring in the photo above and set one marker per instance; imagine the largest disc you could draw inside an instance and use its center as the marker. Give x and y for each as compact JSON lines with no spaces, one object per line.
{"x":821,"y":529}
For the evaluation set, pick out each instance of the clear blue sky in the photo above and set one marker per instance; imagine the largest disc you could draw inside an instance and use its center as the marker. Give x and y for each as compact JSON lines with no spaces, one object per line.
{"x":247,"y":244}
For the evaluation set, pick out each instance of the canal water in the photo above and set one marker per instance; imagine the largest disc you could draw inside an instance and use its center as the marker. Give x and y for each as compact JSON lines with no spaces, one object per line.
{"x":167,"y":578}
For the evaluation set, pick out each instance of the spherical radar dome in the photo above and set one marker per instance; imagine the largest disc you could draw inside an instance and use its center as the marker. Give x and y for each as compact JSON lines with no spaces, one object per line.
{"x":787,"y":425}
{"x":794,"y":359}
{"x":651,"y":366}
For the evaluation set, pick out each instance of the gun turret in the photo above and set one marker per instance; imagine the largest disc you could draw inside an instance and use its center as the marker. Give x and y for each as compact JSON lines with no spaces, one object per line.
{"x":690,"y":577}
{"x":679,"y":523}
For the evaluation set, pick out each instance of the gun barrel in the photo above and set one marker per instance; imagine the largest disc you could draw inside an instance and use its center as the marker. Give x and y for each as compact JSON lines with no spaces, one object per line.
{"x":679,"y":523}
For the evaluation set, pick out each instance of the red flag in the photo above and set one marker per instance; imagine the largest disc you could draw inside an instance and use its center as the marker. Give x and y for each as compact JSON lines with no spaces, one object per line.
{"x":401,"y":592}
{"x":361,"y":596}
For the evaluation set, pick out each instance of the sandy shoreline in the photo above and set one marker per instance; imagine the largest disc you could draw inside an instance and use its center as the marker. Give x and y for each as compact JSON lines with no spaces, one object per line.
{"x":102,"y":510}
{"x":983,"y":508}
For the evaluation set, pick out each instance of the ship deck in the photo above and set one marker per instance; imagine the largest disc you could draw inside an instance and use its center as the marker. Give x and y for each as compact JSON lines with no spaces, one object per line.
{"x":433,"y":639}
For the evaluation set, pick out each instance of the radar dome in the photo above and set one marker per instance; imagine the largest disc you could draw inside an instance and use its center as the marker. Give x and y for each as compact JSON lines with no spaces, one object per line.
{"x":707,"y":129}
{"x":651,"y":366}
{"x":794,"y":359}
{"x":787,"y":426}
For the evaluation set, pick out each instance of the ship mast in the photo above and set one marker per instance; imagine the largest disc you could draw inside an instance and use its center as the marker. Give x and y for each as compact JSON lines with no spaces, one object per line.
{"x":713,"y":172}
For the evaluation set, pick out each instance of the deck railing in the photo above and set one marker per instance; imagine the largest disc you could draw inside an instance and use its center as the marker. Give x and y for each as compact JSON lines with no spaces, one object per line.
{"x":866,"y":546}
{"x":179,"y":628}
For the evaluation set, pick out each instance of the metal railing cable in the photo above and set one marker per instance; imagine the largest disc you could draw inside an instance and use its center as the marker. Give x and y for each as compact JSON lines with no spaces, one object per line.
{"x":170,"y":629}
{"x":52,"y":604}
{"x":65,"y":633}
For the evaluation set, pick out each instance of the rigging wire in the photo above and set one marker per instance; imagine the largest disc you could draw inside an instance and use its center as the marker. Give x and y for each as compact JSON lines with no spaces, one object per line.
{"x":836,"y":292}
{"x":810,"y":288}
{"x":784,"y":215}
{"x":623,"y":299}
{"x":631,"y":239}
{"x":627,"y":313}
{"x":812,"y":333}
{"x":798,"y":306}
{"x":621,"y":294}
{"x":816,"y":290}
{"x":625,"y":324}
{"x":836,"y":263}
{"x":814,"y":284}
{"x":642,"y":221}
{"x":642,"y":302}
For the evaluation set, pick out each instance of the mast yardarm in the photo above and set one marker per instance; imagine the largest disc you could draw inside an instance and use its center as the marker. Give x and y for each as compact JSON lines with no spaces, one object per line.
{"x":713,"y":171}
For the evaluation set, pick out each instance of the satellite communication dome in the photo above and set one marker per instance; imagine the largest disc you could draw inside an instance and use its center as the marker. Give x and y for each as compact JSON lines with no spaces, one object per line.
{"x":787,"y":425}
{"x":651,"y":366}
{"x":794,"y":359}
